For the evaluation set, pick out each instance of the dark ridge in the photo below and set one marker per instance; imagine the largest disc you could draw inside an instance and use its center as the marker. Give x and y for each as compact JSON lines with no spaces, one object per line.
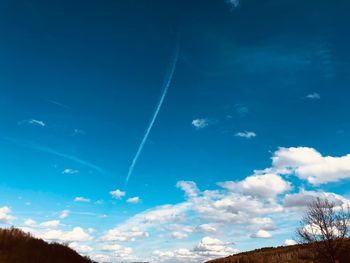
{"x":289,"y":254}
{"x":17,"y":246}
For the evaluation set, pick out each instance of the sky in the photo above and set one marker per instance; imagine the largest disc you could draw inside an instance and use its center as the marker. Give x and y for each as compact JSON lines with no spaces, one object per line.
{"x":171,"y":131}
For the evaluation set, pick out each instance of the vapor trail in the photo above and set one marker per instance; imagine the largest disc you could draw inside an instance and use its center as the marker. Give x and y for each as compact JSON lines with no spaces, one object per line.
{"x":41,"y":148}
{"x":166,"y":84}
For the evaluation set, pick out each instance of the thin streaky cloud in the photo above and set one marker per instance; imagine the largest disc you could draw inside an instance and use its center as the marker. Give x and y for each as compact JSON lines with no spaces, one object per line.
{"x":32,"y":122}
{"x":59,"y":104}
{"x":45,"y":149}
{"x":166,"y":85}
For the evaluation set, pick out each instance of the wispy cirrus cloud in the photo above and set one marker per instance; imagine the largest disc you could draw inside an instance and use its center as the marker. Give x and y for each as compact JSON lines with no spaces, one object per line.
{"x":59,"y":104}
{"x":32,"y":122}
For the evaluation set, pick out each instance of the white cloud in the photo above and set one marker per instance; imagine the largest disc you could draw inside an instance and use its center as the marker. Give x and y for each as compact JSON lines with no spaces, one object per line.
{"x":308,"y":164}
{"x":117,"y":194}
{"x":313,"y":96}
{"x":32,"y":122}
{"x":118,"y":250}
{"x":134,"y":200}
{"x":190,"y":188}
{"x":82,"y":199}
{"x":65,"y":213}
{"x":265,"y":185}
{"x":138,"y":225}
{"x":119,"y":234}
{"x":49,"y":224}
{"x":30,"y":222}
{"x":200,"y":123}
{"x":289,"y":242}
{"x":246,"y":134}
{"x":5,"y":215}
{"x":205,"y":228}
{"x":178,"y":235}
{"x":76,"y":234}
{"x":207,"y":248}
{"x":80,"y":248}
{"x":262,"y":234}
{"x":304,"y":198}
{"x":212,"y":208}
{"x":70,"y":171}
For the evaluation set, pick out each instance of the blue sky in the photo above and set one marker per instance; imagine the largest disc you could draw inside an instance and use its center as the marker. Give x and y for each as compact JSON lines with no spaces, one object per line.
{"x":253,"y":124}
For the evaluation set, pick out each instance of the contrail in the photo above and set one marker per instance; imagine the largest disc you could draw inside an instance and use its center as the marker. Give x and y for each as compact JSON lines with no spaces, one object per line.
{"x":41,"y":148}
{"x":166,"y":84}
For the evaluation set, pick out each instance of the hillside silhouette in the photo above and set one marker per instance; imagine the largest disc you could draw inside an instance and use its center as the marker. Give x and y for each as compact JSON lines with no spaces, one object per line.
{"x":289,"y":254}
{"x":17,"y":246}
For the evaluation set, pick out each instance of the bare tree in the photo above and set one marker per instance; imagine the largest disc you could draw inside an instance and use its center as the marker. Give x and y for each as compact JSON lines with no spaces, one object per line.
{"x":326,"y":226}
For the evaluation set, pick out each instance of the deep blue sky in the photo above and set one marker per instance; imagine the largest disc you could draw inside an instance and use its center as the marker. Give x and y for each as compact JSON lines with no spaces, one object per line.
{"x":80,"y":81}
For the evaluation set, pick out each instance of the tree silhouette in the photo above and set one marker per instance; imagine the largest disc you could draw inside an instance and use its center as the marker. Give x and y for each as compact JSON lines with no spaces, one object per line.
{"x":326,"y":226}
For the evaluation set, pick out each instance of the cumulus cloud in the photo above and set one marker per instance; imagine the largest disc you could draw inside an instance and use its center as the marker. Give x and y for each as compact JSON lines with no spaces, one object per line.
{"x":262,"y":234}
{"x":76,"y":234}
{"x":246,"y":134}
{"x":289,"y":242}
{"x":205,"y":228}
{"x":190,"y":188}
{"x":118,"y":250}
{"x":117,"y":194}
{"x":139,"y":225}
{"x":82,"y":199}
{"x":133,"y":200}
{"x":213,"y":208}
{"x":265,"y":185}
{"x":200,"y":123}
{"x":251,"y":207}
{"x":308,"y":164}
{"x":120,"y":234}
{"x":303,"y":198}
{"x":5,"y":215}
{"x":313,"y":96}
{"x":207,"y":248}
{"x":80,"y":248}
